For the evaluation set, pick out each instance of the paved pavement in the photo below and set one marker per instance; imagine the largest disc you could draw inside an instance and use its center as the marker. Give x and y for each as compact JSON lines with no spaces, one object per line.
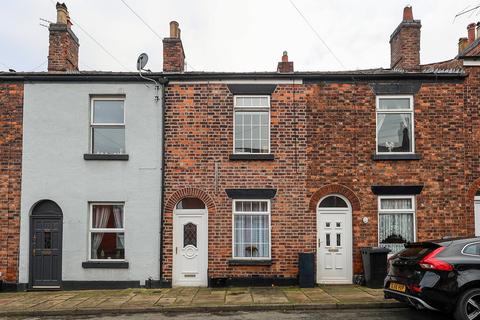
{"x":190,"y":300}
{"x":372,"y":314}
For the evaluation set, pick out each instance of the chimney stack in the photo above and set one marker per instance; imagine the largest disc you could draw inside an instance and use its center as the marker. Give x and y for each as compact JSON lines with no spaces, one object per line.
{"x":471,"y":32}
{"x":405,"y":43}
{"x":173,"y":54}
{"x":285,"y":66}
{"x":63,"y":43}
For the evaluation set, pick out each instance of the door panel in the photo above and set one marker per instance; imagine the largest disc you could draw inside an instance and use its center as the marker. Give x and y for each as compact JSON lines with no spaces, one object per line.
{"x":46,"y":252}
{"x":334,"y":261}
{"x":190,"y":248}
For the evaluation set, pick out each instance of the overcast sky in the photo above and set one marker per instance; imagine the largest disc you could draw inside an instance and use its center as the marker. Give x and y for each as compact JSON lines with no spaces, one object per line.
{"x":232,"y":35}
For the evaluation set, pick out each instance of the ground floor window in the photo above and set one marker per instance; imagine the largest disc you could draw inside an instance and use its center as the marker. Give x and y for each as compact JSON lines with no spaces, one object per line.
{"x":107,"y":233}
{"x":251,"y":229}
{"x":396,"y":221}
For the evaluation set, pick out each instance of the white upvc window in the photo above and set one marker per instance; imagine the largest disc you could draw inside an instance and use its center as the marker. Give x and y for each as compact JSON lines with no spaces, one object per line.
{"x":395,"y":124}
{"x":251,"y":125}
{"x":106,"y":231}
{"x":396,"y":221}
{"x":107,"y":125}
{"x":251,"y":229}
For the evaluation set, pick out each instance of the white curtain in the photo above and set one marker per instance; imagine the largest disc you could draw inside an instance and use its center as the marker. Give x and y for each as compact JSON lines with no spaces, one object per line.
{"x":117,"y":215}
{"x":395,"y":229}
{"x":260,"y":235}
{"x":396,"y":203}
{"x":240,"y":236}
{"x":101,"y":215}
{"x":380,"y":120}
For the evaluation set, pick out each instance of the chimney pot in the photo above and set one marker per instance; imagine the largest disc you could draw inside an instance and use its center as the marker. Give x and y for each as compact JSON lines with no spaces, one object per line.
{"x":173,"y":54}
{"x":407,"y":13}
{"x":462,"y":44}
{"x":471,"y":32}
{"x":62,"y":13}
{"x":285,"y":56}
{"x":174,"y":30}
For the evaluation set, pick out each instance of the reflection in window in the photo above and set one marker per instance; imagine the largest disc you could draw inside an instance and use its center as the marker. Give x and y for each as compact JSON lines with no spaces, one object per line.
{"x":107,"y":126}
{"x":394,"y":125}
{"x":190,"y":203}
{"x":252,"y":124}
{"x":333,"y":202}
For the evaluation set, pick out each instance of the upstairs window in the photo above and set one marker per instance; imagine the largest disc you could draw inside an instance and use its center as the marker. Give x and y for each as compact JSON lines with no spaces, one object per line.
{"x":252,"y":125}
{"x":395,"y":124}
{"x":108,"y":126}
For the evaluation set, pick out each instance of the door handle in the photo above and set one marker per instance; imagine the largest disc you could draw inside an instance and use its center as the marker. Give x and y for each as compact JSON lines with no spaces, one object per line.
{"x":176,"y":250}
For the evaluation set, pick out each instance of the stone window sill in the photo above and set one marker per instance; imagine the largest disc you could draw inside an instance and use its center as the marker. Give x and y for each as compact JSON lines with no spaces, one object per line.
{"x":108,"y":157}
{"x":239,"y":262}
{"x":396,"y":157}
{"x":105,"y":265}
{"x":267,"y":157}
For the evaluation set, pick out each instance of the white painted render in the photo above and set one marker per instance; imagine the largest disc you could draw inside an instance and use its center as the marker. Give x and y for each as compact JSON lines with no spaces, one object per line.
{"x":55,"y":138}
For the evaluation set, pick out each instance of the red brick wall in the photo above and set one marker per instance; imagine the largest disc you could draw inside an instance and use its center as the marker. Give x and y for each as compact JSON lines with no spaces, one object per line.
{"x":11,"y":112}
{"x":199,"y":127}
{"x":334,"y":128}
{"x":405,"y":46}
{"x":63,"y":49}
{"x":342,"y":140}
{"x":173,"y":55}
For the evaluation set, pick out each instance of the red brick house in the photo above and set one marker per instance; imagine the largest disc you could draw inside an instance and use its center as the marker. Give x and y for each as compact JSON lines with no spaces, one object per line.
{"x":260,"y":167}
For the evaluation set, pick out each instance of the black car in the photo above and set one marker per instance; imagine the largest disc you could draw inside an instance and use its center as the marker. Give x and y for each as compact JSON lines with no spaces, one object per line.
{"x":441,"y":275}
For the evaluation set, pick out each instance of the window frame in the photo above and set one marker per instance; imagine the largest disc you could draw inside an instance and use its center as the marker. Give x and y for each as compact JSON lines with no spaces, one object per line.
{"x":413,"y":211}
{"x":468,"y":245}
{"x":411,"y":110}
{"x":106,"y":124}
{"x":252,"y":109}
{"x":92,"y":230}
{"x":268,"y":213}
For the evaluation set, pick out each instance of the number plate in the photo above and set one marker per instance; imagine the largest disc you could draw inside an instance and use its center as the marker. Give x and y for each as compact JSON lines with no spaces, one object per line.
{"x":397,"y":286}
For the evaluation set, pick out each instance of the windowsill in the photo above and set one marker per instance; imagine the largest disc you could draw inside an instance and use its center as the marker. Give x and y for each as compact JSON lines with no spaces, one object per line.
{"x":241,"y":262}
{"x":110,"y":157}
{"x":397,"y":156}
{"x":105,"y":265}
{"x":252,"y":156}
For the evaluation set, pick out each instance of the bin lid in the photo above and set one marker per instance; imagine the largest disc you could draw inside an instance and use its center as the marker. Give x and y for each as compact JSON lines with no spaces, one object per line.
{"x":375,"y":250}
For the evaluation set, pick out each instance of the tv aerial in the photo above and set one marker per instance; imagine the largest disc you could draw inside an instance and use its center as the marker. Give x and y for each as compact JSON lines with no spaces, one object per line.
{"x":141,"y":63}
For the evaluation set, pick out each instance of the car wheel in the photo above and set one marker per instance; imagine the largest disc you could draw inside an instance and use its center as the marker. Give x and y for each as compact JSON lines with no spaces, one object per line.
{"x":468,"y":305}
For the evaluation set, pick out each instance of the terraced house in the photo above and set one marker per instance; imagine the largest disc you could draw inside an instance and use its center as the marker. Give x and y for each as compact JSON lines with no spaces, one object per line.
{"x":227,"y":177}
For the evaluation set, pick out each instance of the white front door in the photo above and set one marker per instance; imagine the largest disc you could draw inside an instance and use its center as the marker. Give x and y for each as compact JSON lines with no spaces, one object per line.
{"x":477,"y":216}
{"x":190,"y":247}
{"x":334,"y":254}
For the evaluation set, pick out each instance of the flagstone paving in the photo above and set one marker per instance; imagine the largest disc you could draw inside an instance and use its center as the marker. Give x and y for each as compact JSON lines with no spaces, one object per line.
{"x":171,"y":299}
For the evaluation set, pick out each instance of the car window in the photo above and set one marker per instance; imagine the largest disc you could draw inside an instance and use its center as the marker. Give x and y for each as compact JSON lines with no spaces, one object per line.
{"x":473,"y":249}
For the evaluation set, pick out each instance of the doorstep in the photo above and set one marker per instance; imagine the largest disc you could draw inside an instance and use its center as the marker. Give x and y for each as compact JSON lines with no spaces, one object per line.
{"x":94,"y":302}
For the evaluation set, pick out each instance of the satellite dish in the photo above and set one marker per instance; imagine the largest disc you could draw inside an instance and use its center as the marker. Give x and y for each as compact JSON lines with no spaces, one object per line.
{"x":142,"y":61}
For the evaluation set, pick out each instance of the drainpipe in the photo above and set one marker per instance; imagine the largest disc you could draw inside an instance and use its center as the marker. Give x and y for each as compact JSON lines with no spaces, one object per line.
{"x":164,"y":81}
